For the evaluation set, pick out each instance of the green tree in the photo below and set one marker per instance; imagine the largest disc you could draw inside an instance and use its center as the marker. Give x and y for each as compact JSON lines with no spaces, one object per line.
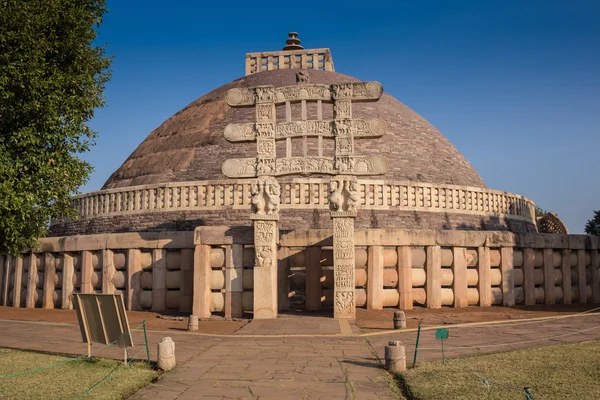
{"x":592,"y":227}
{"x":539,"y":211}
{"x":52,"y":77}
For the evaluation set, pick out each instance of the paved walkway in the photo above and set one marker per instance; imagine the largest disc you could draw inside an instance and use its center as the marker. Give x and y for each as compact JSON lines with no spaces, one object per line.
{"x":468,"y":340}
{"x":279,"y":359}
{"x":239,"y":366}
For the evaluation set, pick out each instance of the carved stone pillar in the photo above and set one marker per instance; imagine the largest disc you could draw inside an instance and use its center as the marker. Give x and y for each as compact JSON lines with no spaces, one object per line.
{"x":265,"y":206}
{"x":342,"y":203}
{"x":343,"y":265}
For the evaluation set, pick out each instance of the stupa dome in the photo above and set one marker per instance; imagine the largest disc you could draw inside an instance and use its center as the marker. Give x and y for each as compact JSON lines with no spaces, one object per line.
{"x":198,"y":167}
{"x":191,"y":146}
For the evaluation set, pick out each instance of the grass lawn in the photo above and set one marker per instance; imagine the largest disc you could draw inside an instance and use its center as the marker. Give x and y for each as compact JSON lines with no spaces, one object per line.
{"x":570,"y":371}
{"x":69,"y":380}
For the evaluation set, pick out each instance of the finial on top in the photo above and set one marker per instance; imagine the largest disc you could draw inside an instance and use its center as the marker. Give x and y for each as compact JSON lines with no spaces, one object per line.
{"x":293,"y":43}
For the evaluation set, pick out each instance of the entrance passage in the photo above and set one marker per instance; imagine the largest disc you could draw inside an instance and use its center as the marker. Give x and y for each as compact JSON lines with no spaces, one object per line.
{"x":307,"y":274}
{"x":304,"y":272}
{"x":306,"y":279}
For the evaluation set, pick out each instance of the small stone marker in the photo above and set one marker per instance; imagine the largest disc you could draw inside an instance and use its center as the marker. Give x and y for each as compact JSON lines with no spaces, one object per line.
{"x":166,"y":354}
{"x":399,"y":320}
{"x":193,"y":323}
{"x":395,"y":356}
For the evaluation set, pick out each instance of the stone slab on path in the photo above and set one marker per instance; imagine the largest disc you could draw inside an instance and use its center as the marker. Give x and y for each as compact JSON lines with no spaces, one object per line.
{"x":299,"y":325}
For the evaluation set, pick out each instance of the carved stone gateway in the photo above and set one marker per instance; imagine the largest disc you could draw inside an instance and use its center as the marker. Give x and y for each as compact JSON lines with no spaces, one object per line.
{"x":344,"y":165}
{"x":343,"y":129}
{"x":343,"y":188}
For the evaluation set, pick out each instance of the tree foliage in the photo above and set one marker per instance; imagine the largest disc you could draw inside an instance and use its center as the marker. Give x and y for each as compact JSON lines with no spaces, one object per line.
{"x":52,"y":77}
{"x":592,"y":227}
{"x":539,"y":211}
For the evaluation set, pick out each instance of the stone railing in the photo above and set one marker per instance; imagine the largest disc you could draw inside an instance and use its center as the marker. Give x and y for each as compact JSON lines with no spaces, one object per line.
{"x":153,"y":271}
{"x":310,"y":59}
{"x":303,"y":194}
{"x":200,"y":271}
{"x":402,"y":268}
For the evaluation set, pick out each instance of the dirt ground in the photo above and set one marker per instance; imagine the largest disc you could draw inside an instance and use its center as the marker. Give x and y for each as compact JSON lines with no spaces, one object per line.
{"x":154,"y":321}
{"x":369,"y":320}
{"x":366,"y":320}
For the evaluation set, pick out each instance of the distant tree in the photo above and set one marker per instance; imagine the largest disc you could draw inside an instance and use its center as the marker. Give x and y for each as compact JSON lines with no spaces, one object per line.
{"x":592,"y":227}
{"x":52,"y":77}
{"x":539,"y":211}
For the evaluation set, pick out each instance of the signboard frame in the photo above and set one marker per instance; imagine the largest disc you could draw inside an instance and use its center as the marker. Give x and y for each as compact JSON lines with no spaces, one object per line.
{"x":102,"y":319}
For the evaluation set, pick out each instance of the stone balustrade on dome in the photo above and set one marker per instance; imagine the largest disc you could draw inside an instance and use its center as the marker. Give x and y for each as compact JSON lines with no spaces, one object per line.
{"x":304,"y":194}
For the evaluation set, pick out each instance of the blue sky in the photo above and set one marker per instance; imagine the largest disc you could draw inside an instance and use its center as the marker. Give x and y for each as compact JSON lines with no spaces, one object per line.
{"x":514,"y":85}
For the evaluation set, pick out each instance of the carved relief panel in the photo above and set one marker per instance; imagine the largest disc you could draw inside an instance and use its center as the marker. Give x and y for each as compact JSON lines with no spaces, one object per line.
{"x":359,"y":128}
{"x":343,"y":194}
{"x":265,"y":196}
{"x":343,"y":261}
{"x":343,"y":129}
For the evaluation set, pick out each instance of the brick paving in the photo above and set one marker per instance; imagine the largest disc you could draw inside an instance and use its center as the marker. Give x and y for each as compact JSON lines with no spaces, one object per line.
{"x":265,"y":360}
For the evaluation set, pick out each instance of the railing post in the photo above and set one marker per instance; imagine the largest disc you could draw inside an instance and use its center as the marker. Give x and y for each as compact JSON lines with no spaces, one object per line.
{"x":31,"y":286}
{"x":566,"y":273}
{"x":67,"y":282}
{"x":18,"y":262}
{"x":134,"y":272}
{"x":548,"y":276}
{"x":87,"y":269}
{"x":582,"y":276}
{"x":233,"y":281}
{"x":186,"y":282}
{"x":508,"y":276}
{"x":434,"y":277}
{"x":375,"y":278}
{"x":485,"y":282}
{"x":313,"y":278}
{"x":405,"y":277}
{"x":49,"y":276}
{"x":283,"y":281}
{"x":202,"y":275}
{"x":528,"y":276}
{"x":6,"y":280}
{"x":459,"y":283}
{"x":595,"y":265}
{"x":108,"y":272}
{"x":159,"y":280}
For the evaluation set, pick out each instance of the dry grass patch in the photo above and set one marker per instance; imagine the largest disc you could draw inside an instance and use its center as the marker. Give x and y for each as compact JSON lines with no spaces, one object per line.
{"x":570,"y":371}
{"x":68,"y":380}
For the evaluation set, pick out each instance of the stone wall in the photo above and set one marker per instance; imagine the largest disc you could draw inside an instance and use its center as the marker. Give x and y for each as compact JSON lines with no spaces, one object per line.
{"x":211,"y":270}
{"x":304,"y":205}
{"x":291,"y":219}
